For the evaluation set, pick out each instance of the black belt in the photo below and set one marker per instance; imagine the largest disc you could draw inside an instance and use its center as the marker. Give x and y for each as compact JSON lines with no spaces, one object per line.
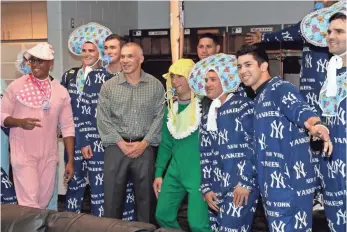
{"x":133,"y":139}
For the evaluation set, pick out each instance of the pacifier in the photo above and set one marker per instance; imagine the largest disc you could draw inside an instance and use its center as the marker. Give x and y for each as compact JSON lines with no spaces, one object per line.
{"x":106,"y":61}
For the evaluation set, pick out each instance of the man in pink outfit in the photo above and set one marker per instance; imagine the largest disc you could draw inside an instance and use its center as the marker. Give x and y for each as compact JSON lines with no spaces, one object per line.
{"x":32,"y":106}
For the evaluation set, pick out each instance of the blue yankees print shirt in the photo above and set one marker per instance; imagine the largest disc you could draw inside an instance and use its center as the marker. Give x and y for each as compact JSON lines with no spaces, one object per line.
{"x":227,"y":157}
{"x":282,"y":143}
{"x":89,"y":101}
{"x":313,"y":67}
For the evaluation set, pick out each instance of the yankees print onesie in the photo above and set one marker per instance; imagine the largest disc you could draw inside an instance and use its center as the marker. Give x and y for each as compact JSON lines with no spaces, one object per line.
{"x":333,"y":168}
{"x":76,"y":186}
{"x":89,"y":135}
{"x":285,"y":173}
{"x":313,"y":67}
{"x":225,"y":155}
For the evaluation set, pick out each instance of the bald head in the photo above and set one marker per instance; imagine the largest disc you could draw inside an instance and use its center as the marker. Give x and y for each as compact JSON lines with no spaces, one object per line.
{"x":131,"y":58}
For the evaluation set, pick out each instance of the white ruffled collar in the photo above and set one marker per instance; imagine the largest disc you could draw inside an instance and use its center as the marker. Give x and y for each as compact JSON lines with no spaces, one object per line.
{"x":191,"y":128}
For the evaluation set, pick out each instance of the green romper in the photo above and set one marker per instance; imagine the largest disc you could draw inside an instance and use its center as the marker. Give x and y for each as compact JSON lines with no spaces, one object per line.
{"x":183,"y":174}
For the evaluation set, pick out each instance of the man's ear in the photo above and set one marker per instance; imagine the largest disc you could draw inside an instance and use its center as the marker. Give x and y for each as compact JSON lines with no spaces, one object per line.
{"x":264,"y":66}
{"x":217,"y":48}
{"x":142,"y":58}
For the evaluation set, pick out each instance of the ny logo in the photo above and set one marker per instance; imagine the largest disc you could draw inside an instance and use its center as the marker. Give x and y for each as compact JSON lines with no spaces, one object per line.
{"x":287,"y":170}
{"x":98,"y":147}
{"x":336,"y":166}
{"x":218,"y":174}
{"x":308,"y":59}
{"x":225,"y":179}
{"x":300,"y":220}
{"x":100,"y":78}
{"x":277,"y":130}
{"x":238,"y":125}
{"x":331,"y":226}
{"x":222,"y":137}
{"x":290,"y":126}
{"x":78,"y":102}
{"x":322,"y":65}
{"x":339,"y":118}
{"x":265,"y":189}
{"x":101,"y":211}
{"x":221,"y":210}
{"x":332,"y":169}
{"x":278,"y":227}
{"x":236,"y":210}
{"x":99,"y":179}
{"x":207,"y":172}
{"x":278,"y":178}
{"x":299,"y":168}
{"x":290,"y":97}
{"x":214,"y":135}
{"x":341,"y":215}
{"x":84,"y":165}
{"x":244,"y":228}
{"x":311,"y":98}
{"x":6,"y":182}
{"x":72,"y":203}
{"x":261,"y":97}
{"x":87,"y":81}
{"x":130,"y":198}
{"x":286,"y":36}
{"x":241,"y":167}
{"x":205,"y":141}
{"x":86,"y":110}
{"x":319,"y":174}
{"x":261,"y":141}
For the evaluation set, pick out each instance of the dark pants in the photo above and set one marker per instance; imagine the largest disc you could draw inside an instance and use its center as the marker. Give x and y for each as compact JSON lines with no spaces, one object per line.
{"x":116,"y":170}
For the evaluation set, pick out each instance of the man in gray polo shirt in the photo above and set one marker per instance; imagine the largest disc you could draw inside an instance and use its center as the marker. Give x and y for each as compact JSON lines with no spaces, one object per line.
{"x":130,"y":114}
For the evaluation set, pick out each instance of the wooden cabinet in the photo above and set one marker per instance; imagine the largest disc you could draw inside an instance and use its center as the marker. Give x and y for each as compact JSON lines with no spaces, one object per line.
{"x":23,"y":20}
{"x":39,"y":19}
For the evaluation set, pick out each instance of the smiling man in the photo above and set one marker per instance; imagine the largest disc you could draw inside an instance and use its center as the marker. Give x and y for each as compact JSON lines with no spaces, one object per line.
{"x":129,"y":119}
{"x":179,"y":151}
{"x":286,"y":175}
{"x":208,"y":45}
{"x":32,"y":106}
{"x":87,"y":42}
{"x":332,"y":101}
{"x":89,"y":141}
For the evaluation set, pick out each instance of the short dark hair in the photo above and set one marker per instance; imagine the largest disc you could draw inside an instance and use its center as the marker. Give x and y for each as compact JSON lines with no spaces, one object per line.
{"x":117,"y":37}
{"x":258,"y":53}
{"x":338,"y":15}
{"x":210,"y":36}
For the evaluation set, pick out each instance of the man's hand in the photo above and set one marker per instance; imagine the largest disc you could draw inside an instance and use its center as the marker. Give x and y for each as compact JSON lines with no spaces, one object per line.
{"x":69,"y":172}
{"x":253,"y":38}
{"x":137,"y":149}
{"x":320,"y":131}
{"x":240,"y":195}
{"x":157,"y":185}
{"x":124,"y":146}
{"x":29,"y":123}
{"x":87,"y":152}
{"x":211,"y":199}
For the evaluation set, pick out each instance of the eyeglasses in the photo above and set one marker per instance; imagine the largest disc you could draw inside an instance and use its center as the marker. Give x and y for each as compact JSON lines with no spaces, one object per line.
{"x":32,"y":61}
